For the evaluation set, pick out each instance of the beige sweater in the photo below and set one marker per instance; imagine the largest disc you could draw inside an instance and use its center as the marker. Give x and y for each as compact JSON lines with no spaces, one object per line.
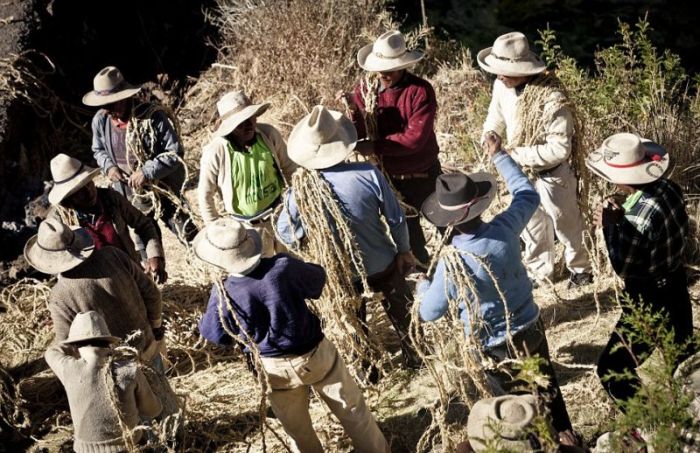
{"x":215,"y":170}
{"x":556,"y":145}
{"x":113,"y":285}
{"x":95,"y":422}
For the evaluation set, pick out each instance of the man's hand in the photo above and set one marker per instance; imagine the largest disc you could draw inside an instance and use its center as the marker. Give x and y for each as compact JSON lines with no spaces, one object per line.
{"x":347,"y":99}
{"x":115,"y":174}
{"x":607,"y":213}
{"x":137,"y":179}
{"x":405,"y":263}
{"x":365,"y":147}
{"x":492,"y":143}
{"x":155,"y":266}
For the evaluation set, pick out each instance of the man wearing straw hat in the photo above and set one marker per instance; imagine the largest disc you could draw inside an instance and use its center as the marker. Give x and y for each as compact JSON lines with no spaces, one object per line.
{"x":397,"y":116}
{"x":137,"y":147}
{"x":106,"y":280}
{"x":247,"y":164}
{"x":530,"y":107}
{"x":86,"y":378}
{"x":321,"y":142}
{"x":646,"y":237}
{"x":262,"y":304}
{"x":494,"y":324}
{"x":104,"y":213}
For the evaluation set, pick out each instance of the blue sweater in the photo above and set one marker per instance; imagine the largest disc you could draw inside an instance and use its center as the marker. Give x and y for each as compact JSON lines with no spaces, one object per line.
{"x":270,"y":304}
{"x":364,"y":195}
{"x":497,"y":242}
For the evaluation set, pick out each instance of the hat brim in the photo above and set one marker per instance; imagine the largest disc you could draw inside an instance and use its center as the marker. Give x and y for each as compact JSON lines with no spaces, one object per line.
{"x":340,"y":146}
{"x":52,"y":263}
{"x":206,"y":252}
{"x":493,"y":65}
{"x":109,"y":338}
{"x":370,"y":62}
{"x":229,"y":124}
{"x":644,"y":173}
{"x":60,"y":192}
{"x":93,"y":99}
{"x":438,"y":216}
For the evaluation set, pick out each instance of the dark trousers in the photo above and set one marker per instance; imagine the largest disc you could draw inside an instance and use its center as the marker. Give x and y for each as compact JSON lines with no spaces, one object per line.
{"x":177,"y":221}
{"x":414,"y":192}
{"x":533,"y":341}
{"x":668,"y":294}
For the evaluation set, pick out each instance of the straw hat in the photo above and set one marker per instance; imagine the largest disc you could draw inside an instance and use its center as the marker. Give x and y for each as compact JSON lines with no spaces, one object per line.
{"x":57,"y":247}
{"x":229,"y":245}
{"x":109,"y":86}
{"x":504,"y":421}
{"x":234,"y":108}
{"x":459,"y":198}
{"x":388,"y":53}
{"x":68,"y":175}
{"x":321,"y":139}
{"x":628,"y":159}
{"x":89,"y":325}
{"x":510,"y":56}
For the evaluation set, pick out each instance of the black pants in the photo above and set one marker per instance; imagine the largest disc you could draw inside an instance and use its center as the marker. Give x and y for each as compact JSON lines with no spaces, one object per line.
{"x":668,"y":294}
{"x":533,"y":341}
{"x":414,"y":192}
{"x":177,"y":221}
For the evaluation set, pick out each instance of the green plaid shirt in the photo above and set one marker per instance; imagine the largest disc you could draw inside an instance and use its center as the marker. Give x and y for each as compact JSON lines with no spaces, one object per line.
{"x":650,"y":238}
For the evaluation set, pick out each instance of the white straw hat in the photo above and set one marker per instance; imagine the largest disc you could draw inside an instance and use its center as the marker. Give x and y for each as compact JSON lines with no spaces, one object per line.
{"x":68,"y":175}
{"x":89,"y":325}
{"x":628,"y":159}
{"x":322,"y":139}
{"x":57,"y":247}
{"x":109,"y":86}
{"x":510,"y":56}
{"x":229,"y":245}
{"x":234,"y":108}
{"x":388,"y":53}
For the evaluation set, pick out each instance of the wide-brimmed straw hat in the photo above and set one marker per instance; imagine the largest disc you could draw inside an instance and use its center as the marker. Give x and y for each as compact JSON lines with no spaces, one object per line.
{"x":510,"y":56}
{"x":229,"y":245}
{"x":89,"y":325}
{"x":459,"y":198}
{"x":322,"y":139}
{"x":502,"y":422}
{"x":234,"y":108}
{"x":388,"y":53}
{"x":628,"y":159}
{"x":109,"y":86}
{"x":69,"y":175}
{"x":57,"y":247}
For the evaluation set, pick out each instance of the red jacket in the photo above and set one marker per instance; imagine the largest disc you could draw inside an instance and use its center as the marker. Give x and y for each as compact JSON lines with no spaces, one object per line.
{"x":405,"y":118}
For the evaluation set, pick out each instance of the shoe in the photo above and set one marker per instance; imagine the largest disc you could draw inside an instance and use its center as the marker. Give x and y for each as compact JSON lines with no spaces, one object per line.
{"x":580,"y":279}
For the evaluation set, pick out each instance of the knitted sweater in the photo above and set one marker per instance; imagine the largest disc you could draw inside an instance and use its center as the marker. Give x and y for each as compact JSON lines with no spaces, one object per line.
{"x":95,"y":422}
{"x":110,"y":283}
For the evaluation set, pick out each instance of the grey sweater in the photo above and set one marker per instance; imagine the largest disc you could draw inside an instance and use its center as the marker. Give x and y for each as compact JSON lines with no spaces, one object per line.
{"x":95,"y":422}
{"x":110,"y":283}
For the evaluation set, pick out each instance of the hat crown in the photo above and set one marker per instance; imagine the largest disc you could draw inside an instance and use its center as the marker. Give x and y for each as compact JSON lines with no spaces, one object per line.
{"x":64,"y":167}
{"x":54,"y":236}
{"x":87,"y":325}
{"x":321,"y":126}
{"x":623,"y":149}
{"x":391,"y":44}
{"x":511,"y":46}
{"x":232,"y":101}
{"x":108,"y":80}
{"x":226,"y":234}
{"x":455,"y":189}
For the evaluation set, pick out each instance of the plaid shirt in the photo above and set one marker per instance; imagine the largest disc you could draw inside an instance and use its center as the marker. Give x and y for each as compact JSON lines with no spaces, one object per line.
{"x":650,"y":238}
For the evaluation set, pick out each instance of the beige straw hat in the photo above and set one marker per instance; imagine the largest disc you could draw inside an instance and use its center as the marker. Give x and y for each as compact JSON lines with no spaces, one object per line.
{"x":229,"y":245}
{"x":89,"y":325}
{"x":628,"y":159}
{"x":68,"y":175}
{"x":57,"y":247}
{"x":234,"y":108}
{"x":388,"y":53}
{"x":109,"y":86}
{"x":322,"y":139}
{"x":510,"y":56}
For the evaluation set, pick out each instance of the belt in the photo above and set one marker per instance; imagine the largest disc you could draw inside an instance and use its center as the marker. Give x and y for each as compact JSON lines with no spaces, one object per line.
{"x":548,"y":171}
{"x":410,"y":176}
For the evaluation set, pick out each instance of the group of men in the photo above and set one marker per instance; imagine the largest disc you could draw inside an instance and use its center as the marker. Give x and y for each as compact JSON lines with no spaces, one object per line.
{"x":103,"y":293}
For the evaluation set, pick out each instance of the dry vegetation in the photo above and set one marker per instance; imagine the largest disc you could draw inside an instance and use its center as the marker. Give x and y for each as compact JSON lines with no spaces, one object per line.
{"x":298,"y":54}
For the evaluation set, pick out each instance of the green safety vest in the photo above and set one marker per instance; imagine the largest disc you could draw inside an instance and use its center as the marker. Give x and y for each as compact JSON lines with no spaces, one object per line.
{"x":256,"y":181}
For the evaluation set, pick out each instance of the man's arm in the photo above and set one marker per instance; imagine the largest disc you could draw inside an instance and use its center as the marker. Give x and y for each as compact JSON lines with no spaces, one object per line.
{"x":168,"y":147}
{"x":394,"y":215}
{"x":61,"y":315}
{"x":289,"y":227}
{"x":494,"y":119}
{"x":210,"y":326}
{"x":147,"y":288}
{"x":99,"y":150}
{"x":142,"y":225}
{"x":208,"y":185}
{"x":433,"y":295}
{"x":311,"y":285}
{"x":279,"y":150}
{"x":525,"y":199}
{"x":147,"y":403}
{"x":59,"y":357}
{"x":557,"y":146}
{"x":357,"y":114}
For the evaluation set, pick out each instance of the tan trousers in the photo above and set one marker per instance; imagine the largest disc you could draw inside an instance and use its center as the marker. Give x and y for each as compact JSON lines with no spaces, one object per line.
{"x":324,"y":370}
{"x":270,"y":245}
{"x":558,"y":213}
